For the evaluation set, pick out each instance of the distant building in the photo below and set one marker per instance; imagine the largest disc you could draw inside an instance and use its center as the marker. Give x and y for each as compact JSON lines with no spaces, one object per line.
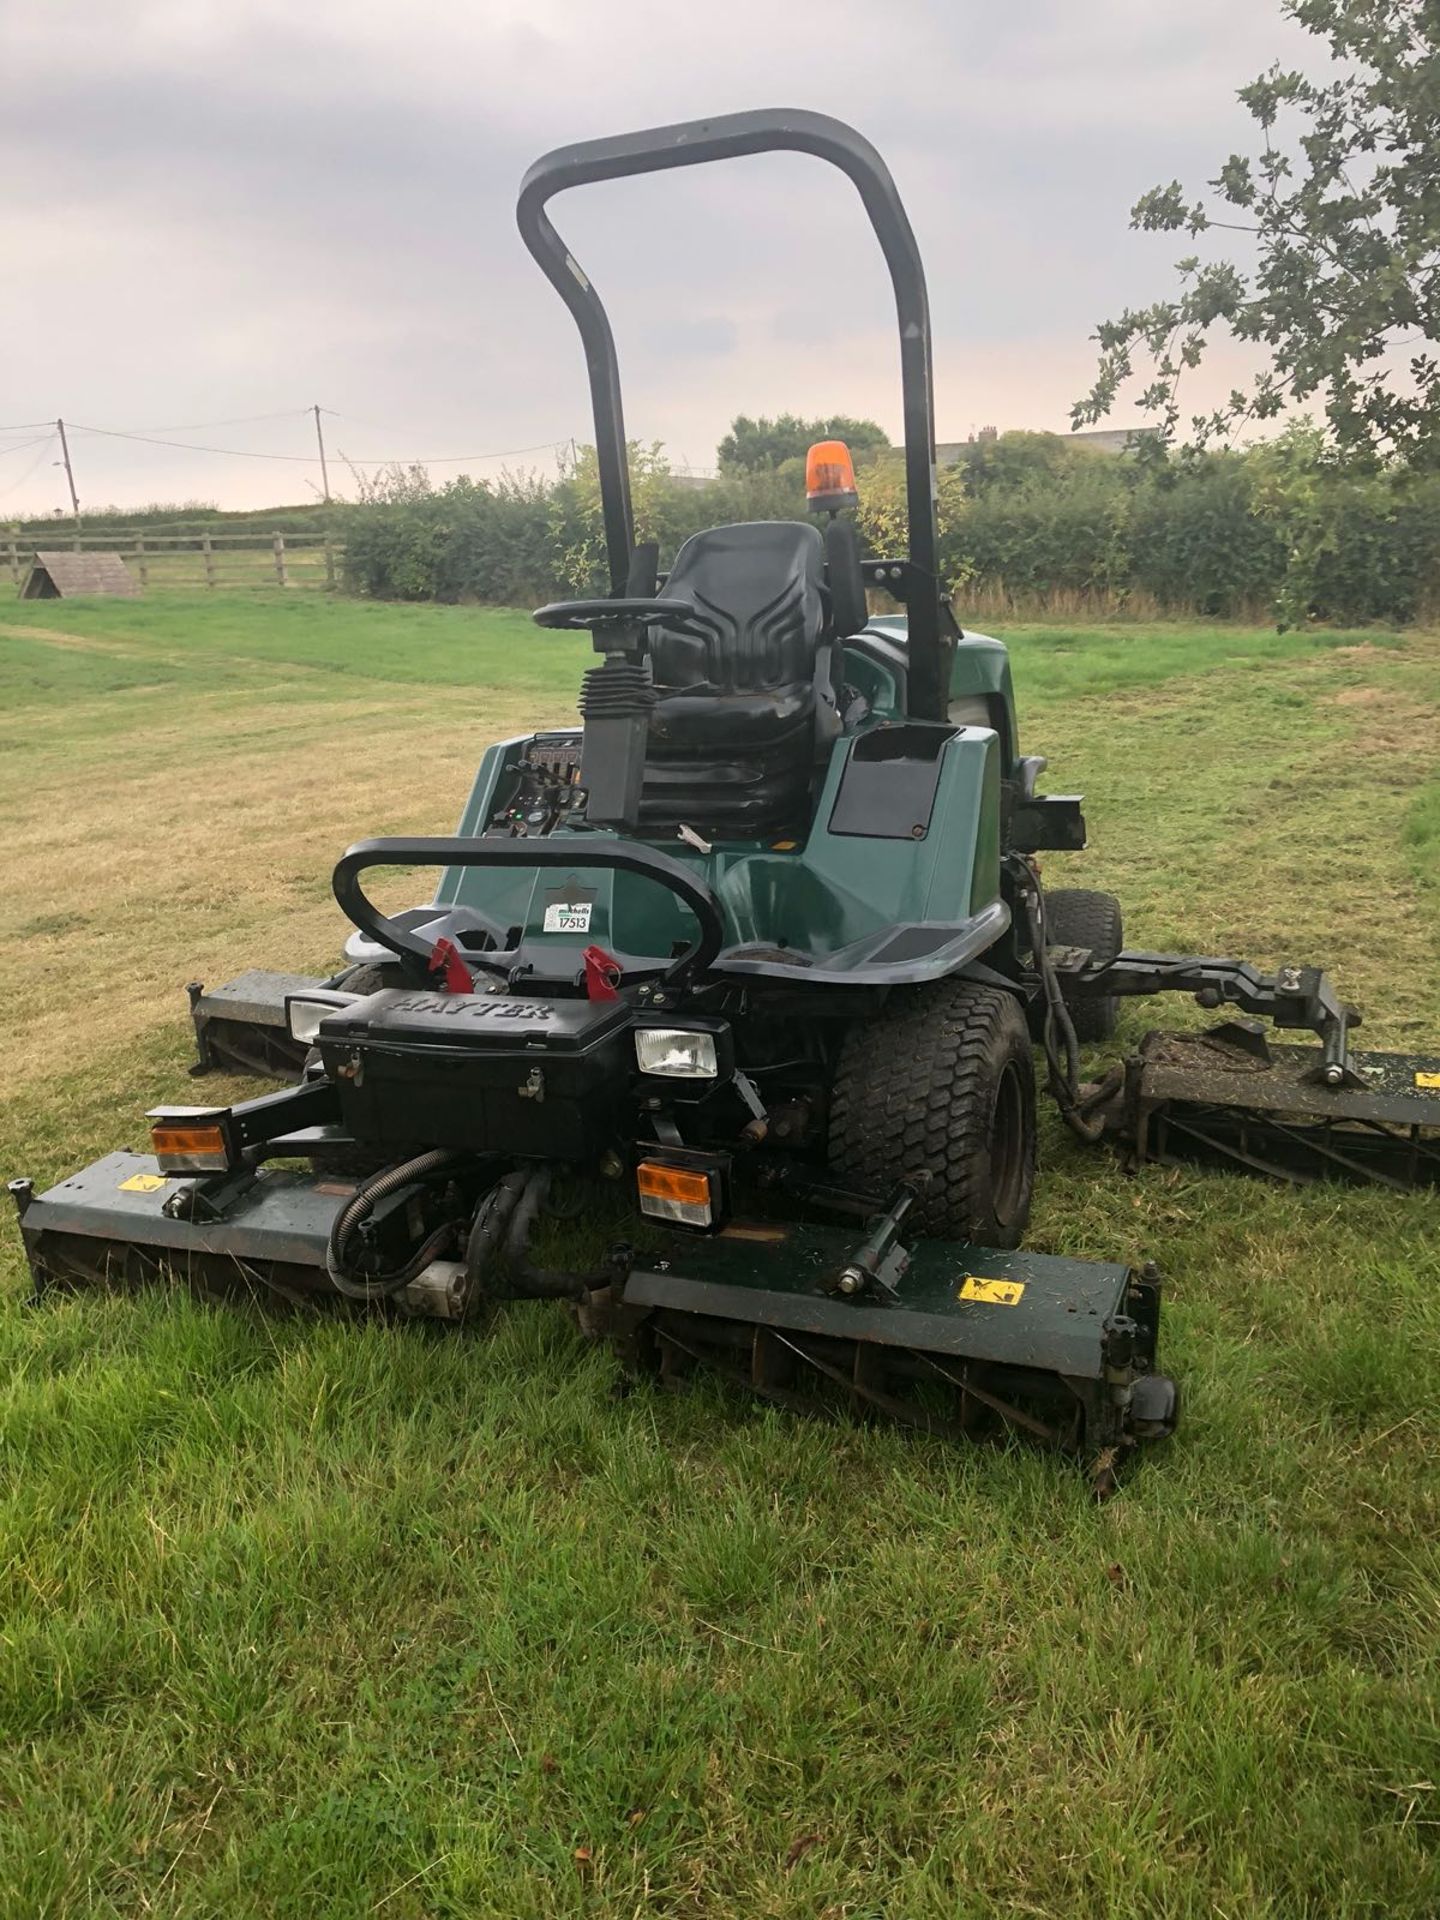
{"x":1111,"y":439}
{"x":1102,"y":439}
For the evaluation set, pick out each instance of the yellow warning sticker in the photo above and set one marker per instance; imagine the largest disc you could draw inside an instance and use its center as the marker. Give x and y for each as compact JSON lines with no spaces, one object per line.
{"x":143,"y":1183}
{"x":1428,"y":1080}
{"x":995,"y":1293}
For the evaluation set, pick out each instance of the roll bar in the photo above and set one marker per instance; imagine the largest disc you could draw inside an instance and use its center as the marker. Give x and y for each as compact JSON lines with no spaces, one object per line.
{"x":575,"y":852}
{"x":728,"y":137}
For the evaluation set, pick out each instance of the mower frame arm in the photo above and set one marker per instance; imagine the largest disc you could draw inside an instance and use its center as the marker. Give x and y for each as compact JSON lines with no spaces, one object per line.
{"x":575,"y":852}
{"x":690,"y":143}
{"x":1293,"y":997}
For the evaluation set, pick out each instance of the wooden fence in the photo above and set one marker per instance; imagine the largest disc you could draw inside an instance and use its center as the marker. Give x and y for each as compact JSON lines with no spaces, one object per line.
{"x":184,"y":559}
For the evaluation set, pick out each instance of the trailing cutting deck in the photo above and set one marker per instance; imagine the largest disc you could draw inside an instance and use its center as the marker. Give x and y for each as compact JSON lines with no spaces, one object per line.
{"x":1233,"y":1098}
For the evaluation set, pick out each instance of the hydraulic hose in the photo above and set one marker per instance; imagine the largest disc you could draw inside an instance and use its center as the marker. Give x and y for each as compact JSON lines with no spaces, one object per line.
{"x":357,"y":1285}
{"x":1059,"y":1031}
{"x":487,"y":1230}
{"x":522,"y":1220}
{"x":500,"y":1229}
{"x":541,"y":1283}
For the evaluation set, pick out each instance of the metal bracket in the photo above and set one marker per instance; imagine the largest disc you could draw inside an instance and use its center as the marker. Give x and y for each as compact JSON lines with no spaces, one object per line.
{"x":880,"y":1260}
{"x":1292,"y":997}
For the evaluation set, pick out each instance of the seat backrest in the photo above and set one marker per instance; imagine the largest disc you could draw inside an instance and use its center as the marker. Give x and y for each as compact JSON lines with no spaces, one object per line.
{"x":757,"y":593}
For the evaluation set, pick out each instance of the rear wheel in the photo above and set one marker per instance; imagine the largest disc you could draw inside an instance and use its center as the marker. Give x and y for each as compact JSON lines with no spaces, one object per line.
{"x":368,"y":978}
{"x":1077,"y":917}
{"x":942,"y":1082}
{"x":364,"y":979}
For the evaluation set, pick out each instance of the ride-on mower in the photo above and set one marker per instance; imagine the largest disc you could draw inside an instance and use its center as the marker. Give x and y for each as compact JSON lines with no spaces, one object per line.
{"x":764,"y":940}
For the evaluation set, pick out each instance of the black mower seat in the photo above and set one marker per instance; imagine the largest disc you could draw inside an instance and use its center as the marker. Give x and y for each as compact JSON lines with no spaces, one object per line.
{"x":745,"y":711}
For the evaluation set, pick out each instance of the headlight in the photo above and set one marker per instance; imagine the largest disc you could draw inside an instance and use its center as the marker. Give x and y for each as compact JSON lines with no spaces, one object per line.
{"x":304,"y":1012}
{"x":673,"y":1051}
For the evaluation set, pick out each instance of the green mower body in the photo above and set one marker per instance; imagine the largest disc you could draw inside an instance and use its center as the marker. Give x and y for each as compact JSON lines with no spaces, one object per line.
{"x":897,"y":878}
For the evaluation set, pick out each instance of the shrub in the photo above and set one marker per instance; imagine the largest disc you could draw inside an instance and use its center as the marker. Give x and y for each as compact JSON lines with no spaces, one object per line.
{"x":468,"y":540}
{"x":1025,"y":519}
{"x":1199,"y":541}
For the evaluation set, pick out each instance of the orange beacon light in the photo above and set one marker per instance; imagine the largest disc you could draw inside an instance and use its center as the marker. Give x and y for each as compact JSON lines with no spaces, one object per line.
{"x":830,"y":477}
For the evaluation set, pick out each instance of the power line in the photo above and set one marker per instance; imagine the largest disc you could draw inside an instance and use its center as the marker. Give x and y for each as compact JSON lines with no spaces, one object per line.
{"x":460,"y":459}
{"x":189,"y":446}
{"x":446,"y":460}
{"x":192,"y":426}
{"x":312,"y":460}
{"x":20,"y":445}
{"x":240,"y":420}
{"x":47,"y":440}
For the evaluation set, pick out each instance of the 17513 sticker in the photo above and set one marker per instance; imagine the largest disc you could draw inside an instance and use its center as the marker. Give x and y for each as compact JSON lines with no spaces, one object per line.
{"x":568,"y":917}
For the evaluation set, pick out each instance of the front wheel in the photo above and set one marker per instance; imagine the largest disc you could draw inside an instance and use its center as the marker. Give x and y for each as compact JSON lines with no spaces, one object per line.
{"x":942,"y":1081}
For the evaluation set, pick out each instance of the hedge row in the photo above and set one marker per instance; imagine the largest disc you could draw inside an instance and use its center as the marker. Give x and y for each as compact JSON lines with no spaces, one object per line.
{"x":1027,"y":519}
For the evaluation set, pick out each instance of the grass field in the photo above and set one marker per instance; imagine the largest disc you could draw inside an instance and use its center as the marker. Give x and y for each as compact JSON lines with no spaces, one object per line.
{"x":311,"y":1619}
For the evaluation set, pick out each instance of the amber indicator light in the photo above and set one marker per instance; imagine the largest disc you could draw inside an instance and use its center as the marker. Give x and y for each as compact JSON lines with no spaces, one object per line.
{"x":673,"y":1183}
{"x":170,"y":1142}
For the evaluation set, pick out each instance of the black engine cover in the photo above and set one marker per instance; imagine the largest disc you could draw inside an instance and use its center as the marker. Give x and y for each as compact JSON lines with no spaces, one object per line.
{"x":481,"y":1071}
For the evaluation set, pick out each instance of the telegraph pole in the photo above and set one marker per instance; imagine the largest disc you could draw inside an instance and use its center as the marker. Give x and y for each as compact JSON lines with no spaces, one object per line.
{"x":320,"y":442}
{"x":69,"y":472}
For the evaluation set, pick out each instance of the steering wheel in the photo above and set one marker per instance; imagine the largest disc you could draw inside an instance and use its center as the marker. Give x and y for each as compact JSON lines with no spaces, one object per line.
{"x":569,"y":850}
{"x":595,"y":616}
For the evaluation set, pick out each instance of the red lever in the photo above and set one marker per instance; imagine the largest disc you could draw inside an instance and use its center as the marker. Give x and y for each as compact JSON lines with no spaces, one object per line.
{"x":455,"y":976}
{"x":602,"y":974}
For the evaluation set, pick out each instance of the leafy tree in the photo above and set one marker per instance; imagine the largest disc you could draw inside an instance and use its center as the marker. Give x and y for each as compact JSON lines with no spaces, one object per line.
{"x":884,"y":515}
{"x":1357,"y":546}
{"x":577,"y":523}
{"x":1343,"y":203}
{"x":755,"y":446}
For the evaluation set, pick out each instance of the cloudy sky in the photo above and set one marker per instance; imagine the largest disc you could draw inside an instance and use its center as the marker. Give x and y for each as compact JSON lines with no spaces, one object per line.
{"x":216,"y":211}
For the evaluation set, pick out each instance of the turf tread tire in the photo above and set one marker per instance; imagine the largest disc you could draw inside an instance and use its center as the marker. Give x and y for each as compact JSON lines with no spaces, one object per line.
{"x":363,"y":978}
{"x":916,"y":1089}
{"x":1081,"y":917}
{"x":368,"y":978}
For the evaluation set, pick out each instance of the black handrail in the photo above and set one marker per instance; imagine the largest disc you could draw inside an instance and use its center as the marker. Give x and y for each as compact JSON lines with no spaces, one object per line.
{"x":727,"y":137}
{"x":575,"y":852}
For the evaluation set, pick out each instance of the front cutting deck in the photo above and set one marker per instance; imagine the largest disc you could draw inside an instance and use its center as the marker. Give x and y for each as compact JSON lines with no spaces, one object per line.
{"x":963,"y":1337}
